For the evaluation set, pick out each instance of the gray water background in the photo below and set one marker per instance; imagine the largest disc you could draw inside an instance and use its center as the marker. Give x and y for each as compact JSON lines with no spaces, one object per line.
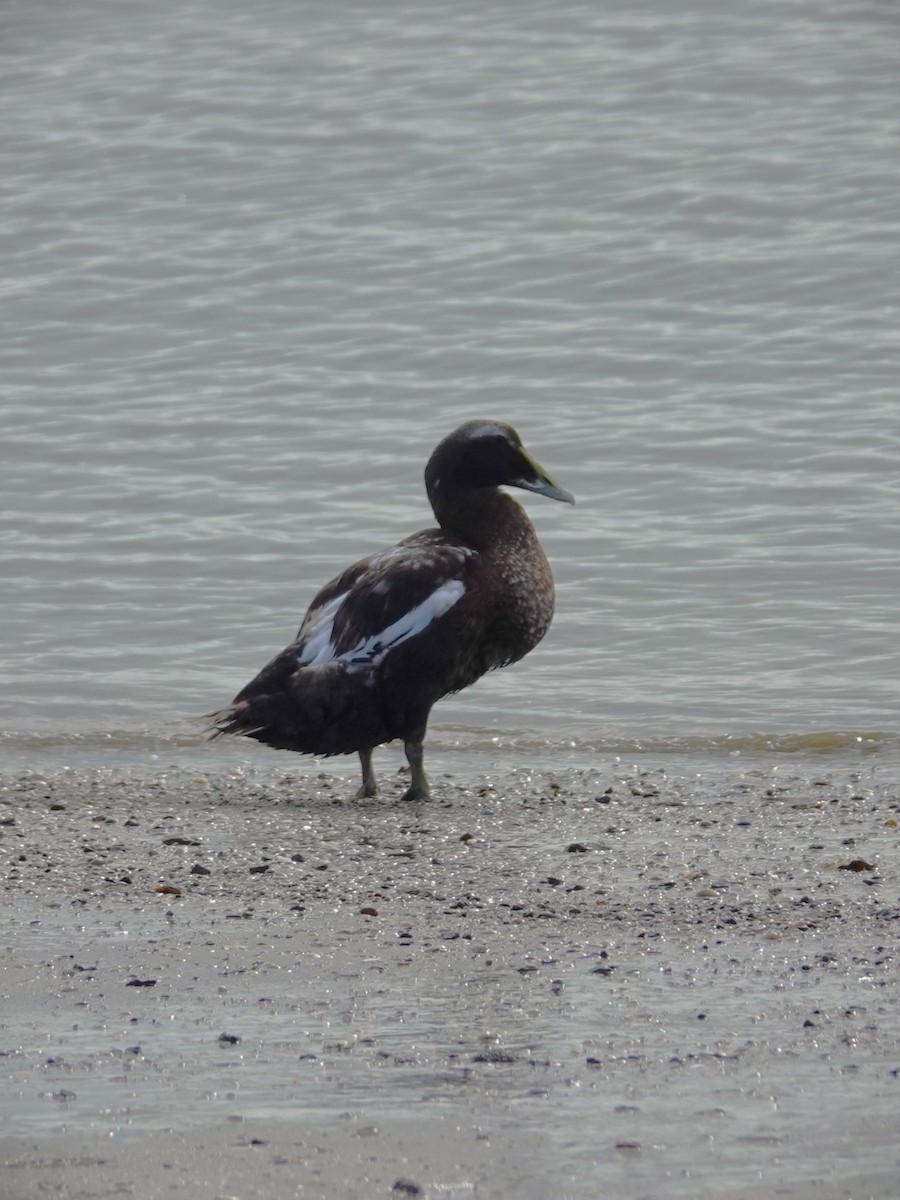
{"x":259,"y":259}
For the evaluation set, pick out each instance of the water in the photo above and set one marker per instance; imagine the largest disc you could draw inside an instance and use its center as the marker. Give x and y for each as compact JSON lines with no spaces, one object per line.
{"x":258,"y":261}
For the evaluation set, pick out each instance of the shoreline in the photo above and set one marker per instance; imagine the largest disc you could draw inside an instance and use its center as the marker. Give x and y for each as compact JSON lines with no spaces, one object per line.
{"x":668,"y":984}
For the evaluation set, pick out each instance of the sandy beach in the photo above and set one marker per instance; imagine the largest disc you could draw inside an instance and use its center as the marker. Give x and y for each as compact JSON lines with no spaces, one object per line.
{"x":624,"y":980}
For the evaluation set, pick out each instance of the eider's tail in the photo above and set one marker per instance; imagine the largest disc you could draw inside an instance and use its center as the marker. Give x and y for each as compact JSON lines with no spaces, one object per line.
{"x":323,"y":709}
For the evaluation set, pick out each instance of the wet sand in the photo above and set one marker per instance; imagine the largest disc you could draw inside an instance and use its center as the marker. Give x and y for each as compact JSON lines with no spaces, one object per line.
{"x":616,"y":981}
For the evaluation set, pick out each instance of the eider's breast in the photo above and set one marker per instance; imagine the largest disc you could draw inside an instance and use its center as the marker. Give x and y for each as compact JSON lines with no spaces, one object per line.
{"x":517,"y":596}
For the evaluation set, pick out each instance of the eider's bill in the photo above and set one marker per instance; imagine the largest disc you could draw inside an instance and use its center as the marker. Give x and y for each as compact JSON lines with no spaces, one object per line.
{"x":541,"y":482}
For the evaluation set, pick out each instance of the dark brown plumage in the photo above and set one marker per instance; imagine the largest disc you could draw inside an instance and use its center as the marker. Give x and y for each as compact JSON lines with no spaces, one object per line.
{"x":395,"y":632}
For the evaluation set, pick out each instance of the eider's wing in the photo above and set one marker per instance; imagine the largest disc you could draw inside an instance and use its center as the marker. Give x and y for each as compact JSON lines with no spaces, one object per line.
{"x":382,"y":618}
{"x":384,"y":601}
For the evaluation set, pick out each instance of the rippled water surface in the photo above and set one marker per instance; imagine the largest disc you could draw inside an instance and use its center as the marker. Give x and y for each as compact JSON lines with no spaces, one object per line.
{"x":259,"y":259}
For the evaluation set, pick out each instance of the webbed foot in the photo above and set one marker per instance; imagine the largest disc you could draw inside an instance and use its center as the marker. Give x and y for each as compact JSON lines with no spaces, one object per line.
{"x":414,"y":792}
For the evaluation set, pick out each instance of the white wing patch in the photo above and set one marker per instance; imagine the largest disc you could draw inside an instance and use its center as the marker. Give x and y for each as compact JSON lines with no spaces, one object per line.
{"x":371,"y":651}
{"x":317,"y":645}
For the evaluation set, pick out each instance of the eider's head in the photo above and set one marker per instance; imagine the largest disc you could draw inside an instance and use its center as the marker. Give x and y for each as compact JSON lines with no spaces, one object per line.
{"x":483,"y":455}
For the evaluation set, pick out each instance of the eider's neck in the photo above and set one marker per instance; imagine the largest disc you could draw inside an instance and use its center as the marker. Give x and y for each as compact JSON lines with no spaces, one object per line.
{"x":482,"y":517}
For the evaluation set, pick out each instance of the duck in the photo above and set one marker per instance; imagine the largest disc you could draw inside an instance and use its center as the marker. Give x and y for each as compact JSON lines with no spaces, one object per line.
{"x":397,"y":631}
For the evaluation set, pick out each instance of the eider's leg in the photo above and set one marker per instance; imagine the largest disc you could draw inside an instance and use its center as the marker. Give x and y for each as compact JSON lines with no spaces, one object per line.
{"x":418,"y":788}
{"x":369,"y":783}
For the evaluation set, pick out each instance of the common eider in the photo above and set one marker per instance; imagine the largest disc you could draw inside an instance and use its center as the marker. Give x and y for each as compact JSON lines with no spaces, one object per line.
{"x":395,"y":632}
